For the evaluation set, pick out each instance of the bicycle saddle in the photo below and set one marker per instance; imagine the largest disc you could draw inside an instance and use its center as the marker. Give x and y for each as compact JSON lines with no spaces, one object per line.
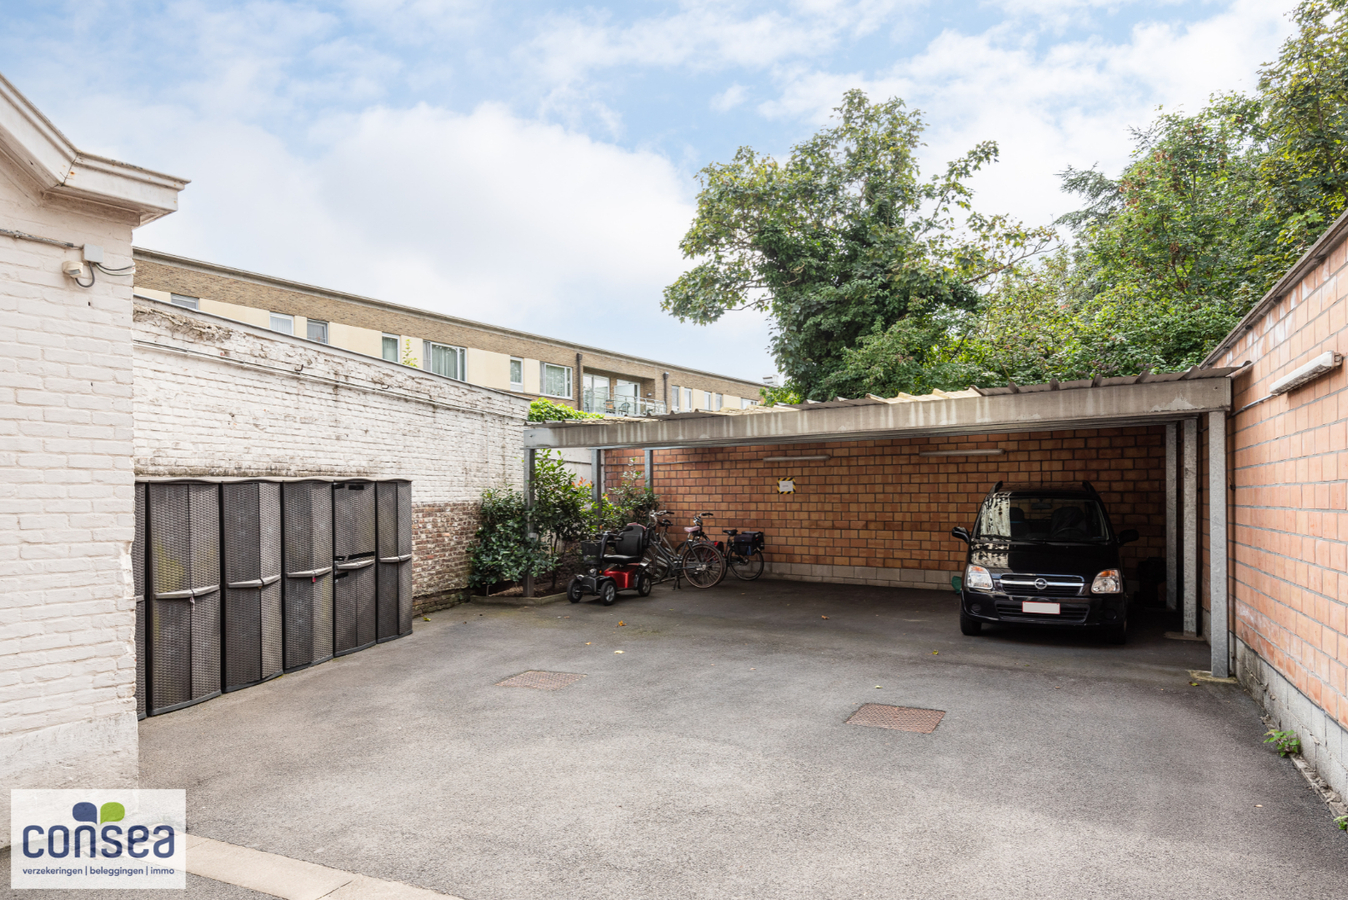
{"x":691,"y":528}
{"x":731,"y":531}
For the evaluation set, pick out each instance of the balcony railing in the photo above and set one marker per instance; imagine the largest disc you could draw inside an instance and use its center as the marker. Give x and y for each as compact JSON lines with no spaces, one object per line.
{"x":602,"y":402}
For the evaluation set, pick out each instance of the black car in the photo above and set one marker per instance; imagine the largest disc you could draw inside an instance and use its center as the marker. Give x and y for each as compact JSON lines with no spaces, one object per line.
{"x":1044,"y":555}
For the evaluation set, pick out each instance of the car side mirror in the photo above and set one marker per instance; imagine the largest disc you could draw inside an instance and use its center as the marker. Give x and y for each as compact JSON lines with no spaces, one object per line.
{"x":1127,"y":537}
{"x":961,"y":532}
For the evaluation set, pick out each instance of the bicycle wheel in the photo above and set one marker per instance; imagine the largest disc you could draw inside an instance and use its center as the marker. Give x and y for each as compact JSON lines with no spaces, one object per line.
{"x":703,"y":565}
{"x":747,"y":567}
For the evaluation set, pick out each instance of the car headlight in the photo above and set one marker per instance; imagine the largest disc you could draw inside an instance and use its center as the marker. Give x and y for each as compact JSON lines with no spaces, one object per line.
{"x":1108,"y":582}
{"x":976,"y":578}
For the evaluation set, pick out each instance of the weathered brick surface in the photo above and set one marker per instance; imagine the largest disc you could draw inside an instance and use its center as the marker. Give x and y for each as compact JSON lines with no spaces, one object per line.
{"x":879,"y":505}
{"x":441,"y":537}
{"x":67,"y":669}
{"x":1289,"y":509}
{"x":215,"y":400}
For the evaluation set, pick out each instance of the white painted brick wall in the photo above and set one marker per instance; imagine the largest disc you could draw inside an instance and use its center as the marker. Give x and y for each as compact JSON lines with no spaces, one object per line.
{"x":67,"y":669}
{"x":216,"y":398}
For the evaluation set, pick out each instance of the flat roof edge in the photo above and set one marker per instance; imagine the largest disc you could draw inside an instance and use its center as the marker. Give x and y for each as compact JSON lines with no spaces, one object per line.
{"x":300,"y":287}
{"x":1103,"y":407}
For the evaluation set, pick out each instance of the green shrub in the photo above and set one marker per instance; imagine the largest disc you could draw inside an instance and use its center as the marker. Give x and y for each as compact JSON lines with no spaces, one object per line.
{"x":503,"y":549}
{"x":563,"y":513}
{"x":544,"y":410}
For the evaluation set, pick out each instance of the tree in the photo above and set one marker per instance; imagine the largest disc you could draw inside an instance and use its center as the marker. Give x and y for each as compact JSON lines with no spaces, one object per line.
{"x":1304,"y":98}
{"x":1209,"y":213}
{"x":842,"y":241}
{"x":1164,"y":266}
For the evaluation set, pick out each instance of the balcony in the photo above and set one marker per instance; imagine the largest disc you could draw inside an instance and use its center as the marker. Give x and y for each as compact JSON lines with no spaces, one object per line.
{"x":607,"y":404}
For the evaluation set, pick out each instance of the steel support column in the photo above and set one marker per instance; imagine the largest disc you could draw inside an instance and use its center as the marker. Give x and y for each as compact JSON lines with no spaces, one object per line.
{"x":1190,"y":525}
{"x":1218,"y":623}
{"x":650,"y":468}
{"x":596,"y":474}
{"x":530,"y":459}
{"x":1172,"y":503}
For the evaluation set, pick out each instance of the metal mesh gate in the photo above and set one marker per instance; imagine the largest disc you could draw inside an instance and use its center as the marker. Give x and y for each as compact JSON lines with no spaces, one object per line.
{"x":183,"y":531}
{"x":252,"y":551}
{"x":355,"y":525}
{"x":394,"y":570}
{"x":307,"y":594}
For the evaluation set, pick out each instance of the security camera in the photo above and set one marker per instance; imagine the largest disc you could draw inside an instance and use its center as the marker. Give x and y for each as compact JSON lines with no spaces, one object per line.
{"x":73,"y":268}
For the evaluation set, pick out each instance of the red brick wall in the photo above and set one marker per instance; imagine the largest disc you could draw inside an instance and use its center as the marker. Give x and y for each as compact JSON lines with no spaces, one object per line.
{"x":878,"y":503}
{"x":1289,"y":466}
{"x":442,"y":534}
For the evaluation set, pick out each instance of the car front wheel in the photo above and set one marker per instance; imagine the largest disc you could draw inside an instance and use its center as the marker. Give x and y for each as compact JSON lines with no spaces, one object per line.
{"x":969,"y":625}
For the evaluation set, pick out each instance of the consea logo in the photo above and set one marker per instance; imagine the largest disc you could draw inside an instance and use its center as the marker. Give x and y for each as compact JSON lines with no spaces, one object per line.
{"x":94,"y":839}
{"x":62,"y":842}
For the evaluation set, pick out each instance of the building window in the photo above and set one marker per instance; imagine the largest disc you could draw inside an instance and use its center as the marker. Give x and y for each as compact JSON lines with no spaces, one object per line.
{"x":445,"y":360}
{"x":717,"y":400}
{"x":185,"y":301}
{"x":282,"y":323}
{"x":317,"y":331}
{"x":675,"y":392}
{"x":516,"y":374}
{"x":556,"y":380}
{"x":391,"y":347}
{"x":745,"y":403}
{"x":688,"y":399}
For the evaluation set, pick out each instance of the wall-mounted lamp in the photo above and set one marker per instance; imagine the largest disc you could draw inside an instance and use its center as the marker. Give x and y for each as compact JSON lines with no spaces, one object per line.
{"x":996,"y":452}
{"x":1322,"y":365}
{"x":796,"y":458}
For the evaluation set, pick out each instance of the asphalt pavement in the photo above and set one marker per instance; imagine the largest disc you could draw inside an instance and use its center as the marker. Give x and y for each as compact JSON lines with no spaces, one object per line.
{"x":705,"y":755}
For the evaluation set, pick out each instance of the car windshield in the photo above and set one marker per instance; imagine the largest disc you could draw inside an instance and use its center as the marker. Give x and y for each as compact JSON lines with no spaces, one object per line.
{"x":1042,"y":517}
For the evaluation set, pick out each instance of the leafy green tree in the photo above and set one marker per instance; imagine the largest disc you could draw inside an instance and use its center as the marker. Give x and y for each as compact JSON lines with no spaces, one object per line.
{"x":842,"y":240}
{"x":1304,"y":95}
{"x":774,"y":394}
{"x":1209,"y":213}
{"x":1163,"y":267}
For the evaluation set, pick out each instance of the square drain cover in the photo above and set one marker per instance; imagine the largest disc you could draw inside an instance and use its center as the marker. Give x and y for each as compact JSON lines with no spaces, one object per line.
{"x":900,"y":718}
{"x":544,"y":681}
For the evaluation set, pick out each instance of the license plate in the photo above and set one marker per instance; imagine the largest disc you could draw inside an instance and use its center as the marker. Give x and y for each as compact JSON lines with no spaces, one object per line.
{"x":1031,"y":606}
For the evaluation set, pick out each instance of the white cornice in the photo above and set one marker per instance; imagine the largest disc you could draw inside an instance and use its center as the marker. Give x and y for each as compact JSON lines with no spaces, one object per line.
{"x":48,"y":158}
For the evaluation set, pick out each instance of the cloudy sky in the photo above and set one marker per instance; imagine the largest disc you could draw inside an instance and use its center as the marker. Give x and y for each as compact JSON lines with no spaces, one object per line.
{"x":534,"y":164}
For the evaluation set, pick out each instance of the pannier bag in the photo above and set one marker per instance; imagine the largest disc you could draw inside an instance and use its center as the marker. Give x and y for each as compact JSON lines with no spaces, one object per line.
{"x":749,"y":541}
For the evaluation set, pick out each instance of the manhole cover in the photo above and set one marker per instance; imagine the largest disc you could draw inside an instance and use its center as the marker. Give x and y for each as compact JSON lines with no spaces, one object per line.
{"x":900,"y":718}
{"x":544,"y":681}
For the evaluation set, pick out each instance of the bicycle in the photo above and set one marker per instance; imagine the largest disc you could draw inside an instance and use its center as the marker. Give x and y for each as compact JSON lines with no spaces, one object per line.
{"x":744,"y":553}
{"x":697,"y":560}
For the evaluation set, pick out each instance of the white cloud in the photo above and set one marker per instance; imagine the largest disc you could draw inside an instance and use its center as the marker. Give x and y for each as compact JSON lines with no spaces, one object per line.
{"x":730,"y":98}
{"x":701,"y":36}
{"x":1069,"y":104}
{"x":311,"y":158}
{"x":484,"y":215}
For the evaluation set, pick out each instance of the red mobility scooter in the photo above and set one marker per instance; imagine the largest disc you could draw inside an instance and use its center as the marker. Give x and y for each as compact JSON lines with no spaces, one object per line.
{"x":613,"y":563}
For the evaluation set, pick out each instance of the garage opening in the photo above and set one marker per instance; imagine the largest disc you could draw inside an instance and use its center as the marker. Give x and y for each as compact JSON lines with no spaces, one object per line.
{"x":874,"y":485}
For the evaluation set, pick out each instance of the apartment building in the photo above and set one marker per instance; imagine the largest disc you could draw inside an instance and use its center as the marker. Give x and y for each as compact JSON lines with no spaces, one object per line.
{"x":528,"y":365}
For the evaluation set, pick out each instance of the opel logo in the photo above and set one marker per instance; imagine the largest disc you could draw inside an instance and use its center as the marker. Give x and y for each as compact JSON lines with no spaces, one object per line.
{"x":1040,"y":584}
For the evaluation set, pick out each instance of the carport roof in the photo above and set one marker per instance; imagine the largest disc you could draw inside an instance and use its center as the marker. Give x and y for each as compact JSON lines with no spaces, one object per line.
{"x":1055,"y":406}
